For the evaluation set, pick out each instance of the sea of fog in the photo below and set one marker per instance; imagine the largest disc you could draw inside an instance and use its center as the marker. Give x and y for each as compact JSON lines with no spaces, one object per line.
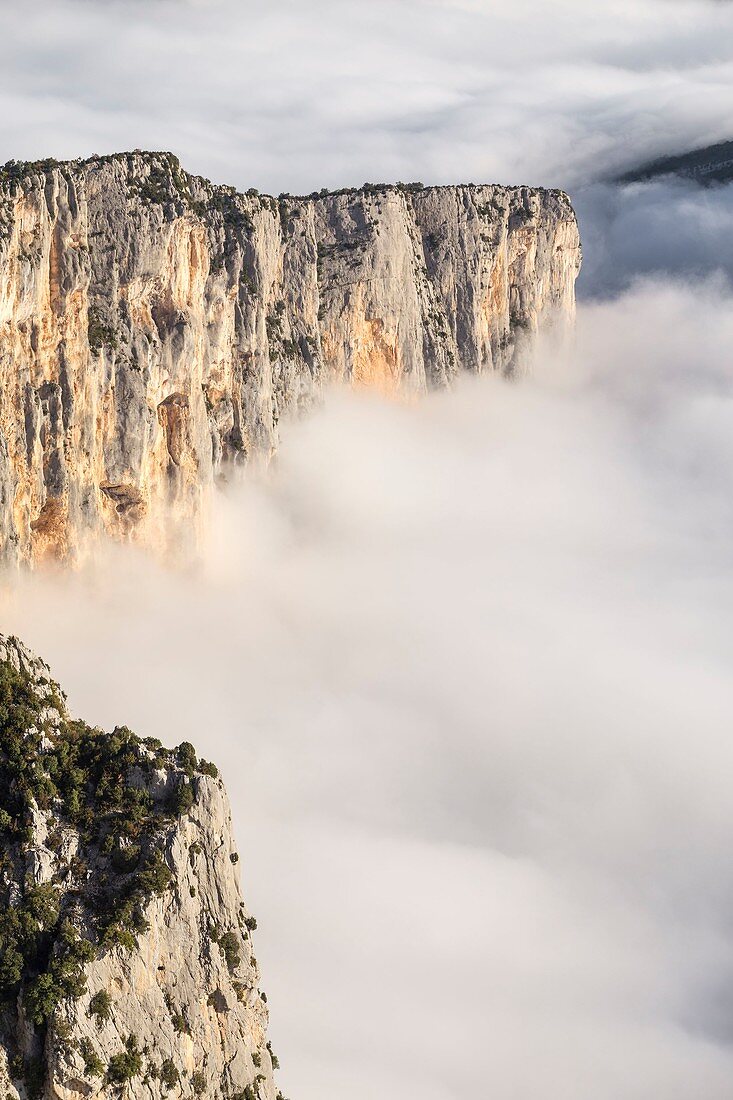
{"x":465,"y":664}
{"x":466,"y":667}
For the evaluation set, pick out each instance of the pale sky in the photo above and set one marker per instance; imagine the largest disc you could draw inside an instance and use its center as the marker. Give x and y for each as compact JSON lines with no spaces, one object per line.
{"x":286,"y":95}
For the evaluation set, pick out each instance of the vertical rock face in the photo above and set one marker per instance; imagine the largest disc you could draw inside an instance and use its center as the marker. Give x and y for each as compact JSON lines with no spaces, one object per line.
{"x":126,"y":963}
{"x":154,"y":327}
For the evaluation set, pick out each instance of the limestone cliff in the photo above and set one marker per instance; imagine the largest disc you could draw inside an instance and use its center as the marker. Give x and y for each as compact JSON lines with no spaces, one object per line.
{"x":154,"y":326}
{"x":126,"y":963}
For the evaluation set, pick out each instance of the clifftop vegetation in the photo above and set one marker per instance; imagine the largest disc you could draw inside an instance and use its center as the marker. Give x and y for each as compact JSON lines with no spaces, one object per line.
{"x":86,"y":796}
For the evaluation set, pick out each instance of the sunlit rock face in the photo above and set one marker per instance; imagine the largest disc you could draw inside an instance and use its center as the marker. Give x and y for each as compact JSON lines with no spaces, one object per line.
{"x":154,"y":327}
{"x":126,"y":958}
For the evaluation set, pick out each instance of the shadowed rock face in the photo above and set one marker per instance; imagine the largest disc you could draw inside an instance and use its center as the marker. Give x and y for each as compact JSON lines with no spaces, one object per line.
{"x":154,"y":327}
{"x":126,"y":959}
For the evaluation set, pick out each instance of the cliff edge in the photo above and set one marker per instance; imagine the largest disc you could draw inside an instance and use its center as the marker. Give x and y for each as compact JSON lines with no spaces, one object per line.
{"x":126,"y":960}
{"x":154,"y":326}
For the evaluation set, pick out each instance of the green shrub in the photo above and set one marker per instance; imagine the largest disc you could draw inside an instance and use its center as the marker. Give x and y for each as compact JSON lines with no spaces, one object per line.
{"x":154,"y":878}
{"x":125,"y":859}
{"x":186,"y":755}
{"x":42,"y":904}
{"x":64,"y":976}
{"x":99,"y":333}
{"x":127,"y":1064}
{"x":181,"y":798}
{"x":93,"y":1064}
{"x":229,"y":944}
{"x":198,"y":1083}
{"x":41,"y":998}
{"x":100,"y":1006}
{"x":179,"y":1023}
{"x":117,"y":935}
{"x":169,"y":1074}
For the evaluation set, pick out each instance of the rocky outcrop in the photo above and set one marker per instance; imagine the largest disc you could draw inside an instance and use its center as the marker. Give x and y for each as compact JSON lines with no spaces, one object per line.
{"x":154,"y":327}
{"x":126,"y":961}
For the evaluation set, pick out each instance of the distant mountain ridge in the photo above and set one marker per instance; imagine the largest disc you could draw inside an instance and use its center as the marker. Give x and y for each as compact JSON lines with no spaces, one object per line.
{"x":710,"y":165}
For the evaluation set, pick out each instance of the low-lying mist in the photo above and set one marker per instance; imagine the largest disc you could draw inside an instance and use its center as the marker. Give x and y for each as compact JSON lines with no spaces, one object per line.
{"x":466,"y":667}
{"x":670,"y":226}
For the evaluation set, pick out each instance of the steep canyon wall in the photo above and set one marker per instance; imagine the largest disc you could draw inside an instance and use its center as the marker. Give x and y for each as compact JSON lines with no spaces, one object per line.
{"x":155,"y":327}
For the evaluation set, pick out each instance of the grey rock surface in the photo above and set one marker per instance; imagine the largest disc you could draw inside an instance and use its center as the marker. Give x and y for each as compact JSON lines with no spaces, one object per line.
{"x":155,"y":327}
{"x":186,"y":991}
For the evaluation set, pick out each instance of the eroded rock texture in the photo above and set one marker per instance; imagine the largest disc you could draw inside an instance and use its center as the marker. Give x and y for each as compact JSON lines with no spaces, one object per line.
{"x":126,"y":961}
{"x":154,"y":326}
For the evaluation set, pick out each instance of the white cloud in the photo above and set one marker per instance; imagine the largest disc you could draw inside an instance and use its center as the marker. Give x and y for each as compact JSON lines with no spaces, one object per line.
{"x":466,"y":668}
{"x":466,"y":664}
{"x":289,"y":96}
{"x":666,"y":226}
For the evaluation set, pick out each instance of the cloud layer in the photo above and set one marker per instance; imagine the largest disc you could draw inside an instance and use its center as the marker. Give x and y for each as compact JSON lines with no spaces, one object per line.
{"x":669,"y":227}
{"x":287,"y":96}
{"x":466,"y":667}
{"x":465,"y":664}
